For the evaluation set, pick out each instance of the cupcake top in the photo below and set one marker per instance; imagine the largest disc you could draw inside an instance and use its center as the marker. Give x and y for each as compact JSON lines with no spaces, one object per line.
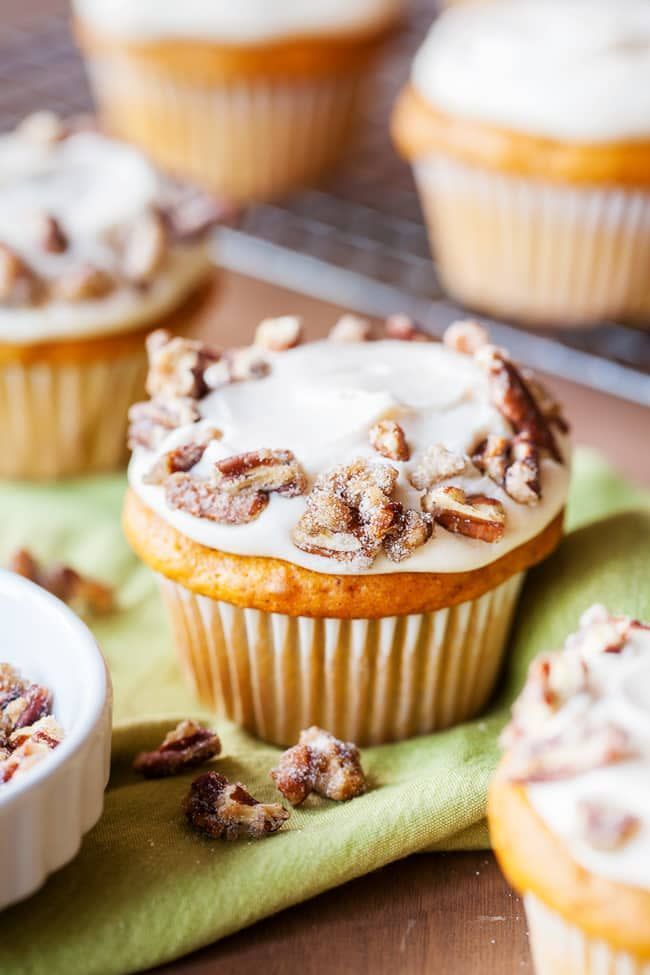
{"x":347,"y":455}
{"x":247,"y":21}
{"x":576,"y":70}
{"x":92,"y":239}
{"x":579,"y":741}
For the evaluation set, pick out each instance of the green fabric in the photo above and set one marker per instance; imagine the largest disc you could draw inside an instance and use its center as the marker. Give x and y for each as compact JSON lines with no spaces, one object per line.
{"x":144,"y":889}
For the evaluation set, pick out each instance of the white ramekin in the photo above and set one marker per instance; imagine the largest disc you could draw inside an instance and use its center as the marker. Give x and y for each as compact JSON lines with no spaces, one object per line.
{"x":45,"y":813}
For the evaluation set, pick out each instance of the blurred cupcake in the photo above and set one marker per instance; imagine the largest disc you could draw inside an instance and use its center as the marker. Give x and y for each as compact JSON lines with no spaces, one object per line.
{"x":341,"y":532}
{"x":251,"y":98}
{"x":569,"y":808}
{"x":95,"y":251}
{"x":528,"y":127}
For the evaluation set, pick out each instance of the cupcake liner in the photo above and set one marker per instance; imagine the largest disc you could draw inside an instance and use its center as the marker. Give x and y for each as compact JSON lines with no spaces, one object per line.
{"x":250,"y":139}
{"x":369,"y":681}
{"x":560,"y":948}
{"x":537,"y":251}
{"x":60,"y":419}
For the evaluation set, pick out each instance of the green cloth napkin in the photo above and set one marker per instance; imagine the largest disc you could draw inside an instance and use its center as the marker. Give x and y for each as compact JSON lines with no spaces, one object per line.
{"x":144,"y":888}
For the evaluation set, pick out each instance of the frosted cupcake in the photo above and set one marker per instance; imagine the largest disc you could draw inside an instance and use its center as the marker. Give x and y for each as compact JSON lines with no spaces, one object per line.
{"x":341,"y":530}
{"x":95,"y":251}
{"x":528,"y":127}
{"x":570,"y":806}
{"x":251,"y":98}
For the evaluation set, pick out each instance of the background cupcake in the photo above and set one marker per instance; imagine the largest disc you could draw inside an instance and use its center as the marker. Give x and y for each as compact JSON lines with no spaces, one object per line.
{"x":251,"y":98}
{"x":570,"y":806}
{"x":341,"y":533}
{"x":95,"y":251}
{"x":527,"y":124}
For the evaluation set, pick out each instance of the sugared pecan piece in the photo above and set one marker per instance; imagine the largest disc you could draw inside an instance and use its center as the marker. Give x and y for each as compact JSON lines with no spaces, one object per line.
{"x":404,"y":329}
{"x":189,"y":744}
{"x":182,"y":458}
{"x":21,"y":702}
{"x":492,"y":457}
{"x":219,"y":808}
{"x":279,"y":334}
{"x":151,"y":421}
{"x":600,"y":632}
{"x":473,"y":515}
{"x":549,"y":406}
{"x":51,"y":235}
{"x":84,"y":594}
{"x":605,"y":826}
{"x":434,"y":465}
{"x":466,"y":337}
{"x":19,"y":285}
{"x":351,"y":328}
{"x":177,"y":366}
{"x":145,"y":248}
{"x":203,"y":500}
{"x":522,"y":480}
{"x":83,"y":283}
{"x":30,"y":745}
{"x":389,"y":440}
{"x":42,"y":128}
{"x":261,"y":470}
{"x":322,"y":764}
{"x":411,"y":530}
{"x":578,"y":748}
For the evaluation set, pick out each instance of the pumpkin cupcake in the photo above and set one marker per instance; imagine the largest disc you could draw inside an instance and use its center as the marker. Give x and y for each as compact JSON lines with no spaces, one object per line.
{"x":96,"y":250}
{"x":251,"y":99}
{"x":528,"y":127}
{"x":570,"y":806}
{"x":341,"y":529}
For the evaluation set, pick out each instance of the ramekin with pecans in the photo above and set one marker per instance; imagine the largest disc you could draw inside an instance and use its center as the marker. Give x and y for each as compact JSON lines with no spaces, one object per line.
{"x":341,"y":528}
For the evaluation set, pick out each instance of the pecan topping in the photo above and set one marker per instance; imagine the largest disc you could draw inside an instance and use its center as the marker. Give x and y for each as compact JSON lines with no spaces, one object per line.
{"x":182,"y":458}
{"x":604,"y":826}
{"x":466,"y":337}
{"x":511,"y":463}
{"x":83,"y":283}
{"x":81,"y":592}
{"x":21,"y":702}
{"x":322,"y":764}
{"x":279,"y":334}
{"x":203,"y":500}
{"x":219,"y":808}
{"x":492,"y":457}
{"x":551,"y":409}
{"x":28,"y":746}
{"x":411,"y":530}
{"x":151,"y":421}
{"x":145,"y":248}
{"x":576,"y":749}
{"x":351,"y":328}
{"x":600,"y":632}
{"x":19,"y":285}
{"x":404,"y":329}
{"x":247,"y":363}
{"x":177,"y":366}
{"x":261,"y":470}
{"x":52,"y":238}
{"x":188,"y":745}
{"x":436,"y":464}
{"x":475,"y":515}
{"x":388,"y":439}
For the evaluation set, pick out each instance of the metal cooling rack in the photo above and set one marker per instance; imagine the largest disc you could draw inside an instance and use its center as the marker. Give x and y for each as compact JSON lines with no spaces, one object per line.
{"x":359,"y":241}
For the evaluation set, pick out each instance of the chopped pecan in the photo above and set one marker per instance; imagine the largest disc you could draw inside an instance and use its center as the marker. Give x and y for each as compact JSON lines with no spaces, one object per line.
{"x":600,"y":632}
{"x":522,"y":480}
{"x":322,"y":764}
{"x":83,"y":283}
{"x":182,"y":458}
{"x":81,"y":592}
{"x":42,"y":128}
{"x":261,"y":470}
{"x":388,"y":439}
{"x":351,"y":328}
{"x":52,"y":237}
{"x":21,"y":702}
{"x":411,"y":530}
{"x":145,"y":248}
{"x":188,"y":745}
{"x":578,"y":748}
{"x":279,"y":334}
{"x":247,"y":363}
{"x":474,"y":515}
{"x":466,"y":337}
{"x":604,"y":826}
{"x":219,"y":808}
{"x":151,"y":421}
{"x":403,"y":328}
{"x":19,"y":285}
{"x":177,"y":366}
{"x":492,"y":457}
{"x":29,"y":745}
{"x":436,"y":464}
{"x":547,"y":403}
{"x":203,"y":500}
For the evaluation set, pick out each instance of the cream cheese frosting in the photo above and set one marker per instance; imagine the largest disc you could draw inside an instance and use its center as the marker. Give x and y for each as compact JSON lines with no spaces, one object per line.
{"x":576,"y":70}
{"x":247,"y":21}
{"x":319,"y":400}
{"x":94,"y":188}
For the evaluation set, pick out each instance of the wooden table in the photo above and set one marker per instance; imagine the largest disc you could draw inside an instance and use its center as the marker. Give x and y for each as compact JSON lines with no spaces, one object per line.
{"x":448,"y":914}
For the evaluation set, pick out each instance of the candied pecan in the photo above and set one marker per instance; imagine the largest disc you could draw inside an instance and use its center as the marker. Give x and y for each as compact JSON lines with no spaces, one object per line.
{"x":81,"y":592}
{"x":279,"y":334}
{"x":515,"y":402}
{"x":436,"y":464}
{"x":21,"y":702}
{"x":578,"y":748}
{"x":388,"y":439}
{"x":403,"y":328}
{"x":247,"y":363}
{"x":322,"y":764}
{"x":145,"y":248}
{"x":28,"y":746}
{"x":466,"y":336}
{"x":19,"y":285}
{"x":351,"y":328}
{"x":189,"y":744}
{"x":182,"y":458}
{"x":51,"y":235}
{"x":522,"y":480}
{"x":600,"y":632}
{"x":203,"y":500}
{"x":550,"y":407}
{"x":42,"y":128}
{"x":219,"y":808}
{"x":85,"y":282}
{"x":473,"y":515}
{"x":604,"y":826}
{"x":151,"y":421}
{"x":411,"y":530}
{"x":261,"y":470}
{"x":177,"y":366}
{"x":492,"y":457}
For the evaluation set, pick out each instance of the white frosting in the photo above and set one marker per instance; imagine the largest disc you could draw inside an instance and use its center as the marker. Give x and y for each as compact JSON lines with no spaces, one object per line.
{"x":92,"y":186}
{"x":320,"y":401}
{"x":568,"y":69}
{"x":241,"y":22}
{"x":624,"y":680}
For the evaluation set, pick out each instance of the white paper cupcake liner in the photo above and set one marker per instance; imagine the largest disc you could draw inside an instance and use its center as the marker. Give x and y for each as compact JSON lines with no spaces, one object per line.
{"x":559,"y":948}
{"x":368,"y":681}
{"x":251,"y":139}
{"x":59,"y":419}
{"x":538,"y":251}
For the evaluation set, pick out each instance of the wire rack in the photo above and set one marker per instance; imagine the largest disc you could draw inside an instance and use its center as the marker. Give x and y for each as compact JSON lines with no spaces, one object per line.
{"x":359,"y":240}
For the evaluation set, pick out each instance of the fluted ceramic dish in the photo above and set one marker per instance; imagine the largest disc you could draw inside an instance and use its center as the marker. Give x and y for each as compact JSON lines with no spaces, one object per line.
{"x":45,"y":812}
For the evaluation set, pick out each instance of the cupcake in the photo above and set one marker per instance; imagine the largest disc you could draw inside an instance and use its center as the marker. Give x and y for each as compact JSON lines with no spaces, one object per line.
{"x":570,"y":806}
{"x":252,"y":98}
{"x":96,"y":250}
{"x":528,"y":127}
{"x":341,"y":528}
